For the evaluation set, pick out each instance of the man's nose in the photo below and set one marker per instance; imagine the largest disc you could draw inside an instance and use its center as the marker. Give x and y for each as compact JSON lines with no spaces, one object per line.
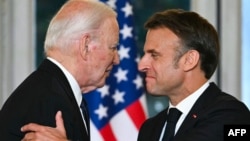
{"x":116,"y":59}
{"x":142,"y":67}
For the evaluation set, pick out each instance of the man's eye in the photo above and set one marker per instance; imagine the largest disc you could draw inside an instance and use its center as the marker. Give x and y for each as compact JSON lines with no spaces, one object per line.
{"x":113,"y":48}
{"x":154,"y":55}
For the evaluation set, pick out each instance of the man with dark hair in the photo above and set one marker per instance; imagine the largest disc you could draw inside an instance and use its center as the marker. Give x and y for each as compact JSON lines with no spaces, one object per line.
{"x":181,"y":55}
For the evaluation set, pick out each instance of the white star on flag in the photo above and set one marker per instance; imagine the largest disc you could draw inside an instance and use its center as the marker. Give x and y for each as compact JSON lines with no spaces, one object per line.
{"x":101,"y":112}
{"x":127,"y":9}
{"x":138,"y":82}
{"x":121,"y":75}
{"x":104,"y":91}
{"x":112,"y":4}
{"x":123,"y":52}
{"x":126,"y":31}
{"x":118,"y":97}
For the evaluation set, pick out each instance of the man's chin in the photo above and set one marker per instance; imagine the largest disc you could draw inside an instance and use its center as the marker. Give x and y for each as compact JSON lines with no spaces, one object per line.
{"x":100,"y":85}
{"x":89,"y":89}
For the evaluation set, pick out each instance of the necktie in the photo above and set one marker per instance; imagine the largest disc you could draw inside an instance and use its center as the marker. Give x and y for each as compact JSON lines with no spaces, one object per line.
{"x":84,"y":109}
{"x":172,"y":118}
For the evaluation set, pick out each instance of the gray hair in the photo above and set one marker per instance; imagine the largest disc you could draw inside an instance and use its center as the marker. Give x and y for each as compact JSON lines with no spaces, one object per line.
{"x":75,"y":18}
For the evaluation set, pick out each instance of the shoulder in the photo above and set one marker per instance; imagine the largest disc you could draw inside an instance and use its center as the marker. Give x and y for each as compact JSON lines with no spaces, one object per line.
{"x":220,"y":106}
{"x":156,"y":120}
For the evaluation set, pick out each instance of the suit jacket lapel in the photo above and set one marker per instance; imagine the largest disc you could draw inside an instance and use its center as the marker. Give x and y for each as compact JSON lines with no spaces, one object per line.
{"x":57,"y":72}
{"x":197,"y":109}
{"x":158,"y":124}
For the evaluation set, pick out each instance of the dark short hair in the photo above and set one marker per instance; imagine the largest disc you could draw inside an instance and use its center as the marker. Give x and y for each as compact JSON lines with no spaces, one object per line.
{"x":195,"y":33}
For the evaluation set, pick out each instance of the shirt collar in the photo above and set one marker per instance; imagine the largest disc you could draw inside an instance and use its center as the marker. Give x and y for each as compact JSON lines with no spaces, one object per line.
{"x":186,"y":104}
{"x":72,"y":81}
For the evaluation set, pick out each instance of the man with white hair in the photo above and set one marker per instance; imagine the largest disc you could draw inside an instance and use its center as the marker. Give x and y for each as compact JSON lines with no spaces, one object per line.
{"x":81,"y":49}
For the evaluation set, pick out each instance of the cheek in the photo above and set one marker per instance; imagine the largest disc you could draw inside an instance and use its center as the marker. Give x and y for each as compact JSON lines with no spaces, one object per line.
{"x":108,"y":58}
{"x":159,"y":68}
{"x":100,"y":56}
{"x":102,"y":62}
{"x":103,"y":58}
{"x":163,"y":71}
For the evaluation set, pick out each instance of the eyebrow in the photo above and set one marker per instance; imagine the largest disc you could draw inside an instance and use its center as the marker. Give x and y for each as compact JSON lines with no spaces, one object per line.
{"x":151,"y":51}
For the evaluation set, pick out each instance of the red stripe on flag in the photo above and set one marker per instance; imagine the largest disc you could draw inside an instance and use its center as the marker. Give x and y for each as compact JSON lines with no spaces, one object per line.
{"x":107,"y":133}
{"x":137,"y":114}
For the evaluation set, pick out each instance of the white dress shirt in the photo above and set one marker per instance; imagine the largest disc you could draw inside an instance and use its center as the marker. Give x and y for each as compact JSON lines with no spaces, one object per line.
{"x":74,"y":86}
{"x":185,"y":106}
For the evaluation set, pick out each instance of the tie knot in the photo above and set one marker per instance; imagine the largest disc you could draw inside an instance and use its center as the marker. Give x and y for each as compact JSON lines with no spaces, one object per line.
{"x":173,"y":115}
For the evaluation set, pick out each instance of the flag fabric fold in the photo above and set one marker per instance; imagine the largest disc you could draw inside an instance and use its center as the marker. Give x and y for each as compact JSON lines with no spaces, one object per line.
{"x":118,"y":109}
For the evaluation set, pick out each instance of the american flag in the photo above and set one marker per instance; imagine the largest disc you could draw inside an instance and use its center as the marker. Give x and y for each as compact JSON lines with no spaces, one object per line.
{"x":118,"y":109}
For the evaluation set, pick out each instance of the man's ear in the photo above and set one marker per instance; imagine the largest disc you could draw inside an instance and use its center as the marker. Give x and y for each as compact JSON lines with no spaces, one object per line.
{"x":84,"y":46}
{"x":191,"y":60}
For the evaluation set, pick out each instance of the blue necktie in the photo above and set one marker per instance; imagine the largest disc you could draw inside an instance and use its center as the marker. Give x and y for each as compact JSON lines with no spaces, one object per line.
{"x":84,"y":109}
{"x":172,"y":118}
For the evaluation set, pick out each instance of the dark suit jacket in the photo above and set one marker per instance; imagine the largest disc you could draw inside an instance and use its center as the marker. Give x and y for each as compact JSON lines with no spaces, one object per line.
{"x":37,"y":99}
{"x":213,"y":110}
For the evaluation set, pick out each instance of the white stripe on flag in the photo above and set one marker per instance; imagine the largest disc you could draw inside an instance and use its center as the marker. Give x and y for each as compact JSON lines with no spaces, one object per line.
{"x":143,"y":102}
{"x":123,"y":127}
{"x":94,"y":133}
